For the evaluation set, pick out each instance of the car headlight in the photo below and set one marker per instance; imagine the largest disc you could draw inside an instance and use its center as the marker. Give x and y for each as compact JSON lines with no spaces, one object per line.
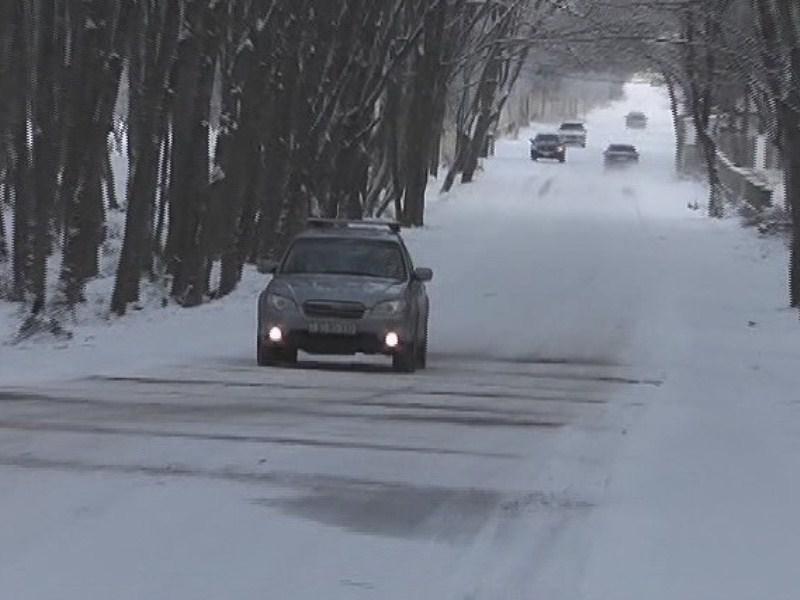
{"x":389,"y":308}
{"x":280,"y":303}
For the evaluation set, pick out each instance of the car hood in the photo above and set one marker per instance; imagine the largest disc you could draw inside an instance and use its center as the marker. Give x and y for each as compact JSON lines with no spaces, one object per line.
{"x":339,"y":288}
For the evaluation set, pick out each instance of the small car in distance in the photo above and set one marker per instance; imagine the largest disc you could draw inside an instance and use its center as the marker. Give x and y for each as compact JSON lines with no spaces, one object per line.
{"x":620,"y":155}
{"x":636,"y":120}
{"x":573,"y":133}
{"x":548,"y":145}
{"x":345,"y":287}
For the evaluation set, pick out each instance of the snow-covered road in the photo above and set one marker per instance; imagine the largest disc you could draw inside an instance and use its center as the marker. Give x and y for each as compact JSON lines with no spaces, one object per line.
{"x":610,"y":412}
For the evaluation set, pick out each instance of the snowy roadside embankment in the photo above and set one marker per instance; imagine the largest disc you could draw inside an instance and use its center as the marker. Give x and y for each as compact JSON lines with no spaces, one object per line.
{"x":153,"y":336}
{"x":702,"y":503}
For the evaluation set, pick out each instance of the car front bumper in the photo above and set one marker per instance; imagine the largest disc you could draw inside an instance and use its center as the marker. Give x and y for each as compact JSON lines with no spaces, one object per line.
{"x":620,"y":160}
{"x":573,"y":140}
{"x":367,"y":335}
{"x":548,"y":152}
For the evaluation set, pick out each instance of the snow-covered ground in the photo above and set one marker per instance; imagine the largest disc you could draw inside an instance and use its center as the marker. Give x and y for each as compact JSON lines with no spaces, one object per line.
{"x":612,"y":411}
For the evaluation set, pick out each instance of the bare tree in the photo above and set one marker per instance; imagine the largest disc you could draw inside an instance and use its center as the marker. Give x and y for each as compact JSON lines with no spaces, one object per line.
{"x":97,"y":39}
{"x":778,"y":27}
{"x":158,"y":45}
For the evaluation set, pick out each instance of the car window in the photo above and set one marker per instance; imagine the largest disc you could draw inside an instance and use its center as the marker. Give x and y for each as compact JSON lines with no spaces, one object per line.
{"x":621,"y":148}
{"x":573,"y":126}
{"x":367,"y":258}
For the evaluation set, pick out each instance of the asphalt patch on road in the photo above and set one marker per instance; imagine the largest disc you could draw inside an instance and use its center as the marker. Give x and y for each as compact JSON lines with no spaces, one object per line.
{"x":403,"y":511}
{"x":365,"y":505}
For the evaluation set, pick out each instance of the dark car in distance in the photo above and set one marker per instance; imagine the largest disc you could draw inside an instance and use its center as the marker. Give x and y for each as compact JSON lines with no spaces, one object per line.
{"x":548,"y":145}
{"x":636,"y":120}
{"x":620,"y":155}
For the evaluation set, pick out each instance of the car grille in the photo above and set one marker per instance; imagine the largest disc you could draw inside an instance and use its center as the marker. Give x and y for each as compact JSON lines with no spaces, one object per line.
{"x":334,"y":310}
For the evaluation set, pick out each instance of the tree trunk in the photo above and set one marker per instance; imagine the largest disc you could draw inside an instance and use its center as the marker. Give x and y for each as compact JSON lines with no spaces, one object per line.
{"x":716,"y":208}
{"x":436,"y":133}
{"x":134,"y":246}
{"x":44,"y":150}
{"x":238,"y":158}
{"x":485,"y":100}
{"x":135,"y":71}
{"x":98,"y":70}
{"x":160,"y":42}
{"x":7,"y":116}
{"x":23,"y":203}
{"x":188,"y":197}
{"x":3,"y":246}
{"x":792,"y":184}
{"x":162,"y":196}
{"x":789,"y":118}
{"x":21,"y":176}
{"x":108,"y":183}
{"x":676,"y":121}
{"x":473,"y":149}
{"x":462,"y":144}
{"x":426,"y":89}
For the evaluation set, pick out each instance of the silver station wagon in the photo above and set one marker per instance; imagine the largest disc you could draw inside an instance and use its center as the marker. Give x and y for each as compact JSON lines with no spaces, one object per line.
{"x":345,"y":287}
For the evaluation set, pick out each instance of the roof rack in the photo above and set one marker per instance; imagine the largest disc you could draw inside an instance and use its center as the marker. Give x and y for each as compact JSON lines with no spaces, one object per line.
{"x":319,"y":223}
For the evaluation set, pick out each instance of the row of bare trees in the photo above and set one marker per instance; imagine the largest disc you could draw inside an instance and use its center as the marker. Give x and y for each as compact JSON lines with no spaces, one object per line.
{"x":722,"y":61}
{"x":734,"y":59}
{"x":241,"y":118}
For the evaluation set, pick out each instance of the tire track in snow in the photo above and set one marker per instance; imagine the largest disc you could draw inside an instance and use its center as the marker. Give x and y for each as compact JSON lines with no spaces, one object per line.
{"x":545,"y":188}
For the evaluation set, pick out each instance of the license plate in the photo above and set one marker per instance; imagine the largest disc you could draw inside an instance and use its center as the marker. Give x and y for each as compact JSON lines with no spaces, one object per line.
{"x":331,"y":328}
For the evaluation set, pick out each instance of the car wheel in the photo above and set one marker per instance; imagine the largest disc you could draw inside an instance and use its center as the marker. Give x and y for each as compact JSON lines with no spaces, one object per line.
{"x":561,"y":159}
{"x":534,"y":157}
{"x":265,"y":357}
{"x":289,"y":356}
{"x":422,"y":349}
{"x":269,"y":357}
{"x":405,"y":361}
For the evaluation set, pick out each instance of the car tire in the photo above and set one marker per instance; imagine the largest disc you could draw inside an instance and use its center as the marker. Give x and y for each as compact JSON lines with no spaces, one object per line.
{"x":422,"y":349}
{"x":534,"y":157}
{"x":265,"y":357}
{"x":270,"y":357}
{"x":405,"y":360}
{"x":289,"y":356}
{"x":561,"y":159}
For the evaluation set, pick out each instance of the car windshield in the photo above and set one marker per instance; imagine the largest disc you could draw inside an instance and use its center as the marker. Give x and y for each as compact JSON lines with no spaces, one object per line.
{"x":573,"y":126}
{"x":636,"y":115}
{"x":621,"y":148}
{"x":342,"y":256}
{"x":547,"y":137}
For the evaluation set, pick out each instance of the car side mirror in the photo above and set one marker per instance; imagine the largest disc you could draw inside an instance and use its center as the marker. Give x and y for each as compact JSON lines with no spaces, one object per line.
{"x":423,"y":274}
{"x":266,"y":266}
